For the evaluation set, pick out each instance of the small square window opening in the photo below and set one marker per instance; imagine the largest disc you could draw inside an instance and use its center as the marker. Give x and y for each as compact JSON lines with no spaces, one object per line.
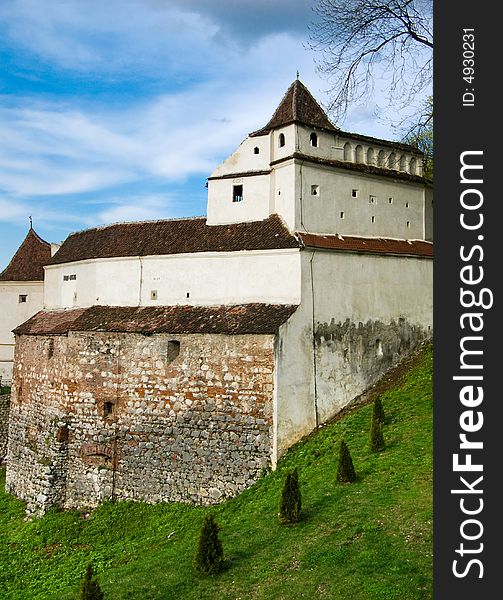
{"x":315,"y":190}
{"x":354,"y":193}
{"x":173,"y":350}
{"x":23,"y":298}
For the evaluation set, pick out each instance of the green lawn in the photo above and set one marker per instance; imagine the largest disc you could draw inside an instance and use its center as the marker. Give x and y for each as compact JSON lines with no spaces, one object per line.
{"x":370,"y":540}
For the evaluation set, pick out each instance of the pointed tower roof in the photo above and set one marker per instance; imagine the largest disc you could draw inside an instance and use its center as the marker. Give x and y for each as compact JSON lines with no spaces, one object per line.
{"x":297,"y":106}
{"x":27,"y":264}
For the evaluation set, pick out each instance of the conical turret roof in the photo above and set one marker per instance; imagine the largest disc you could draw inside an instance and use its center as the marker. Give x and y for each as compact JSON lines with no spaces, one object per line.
{"x":297,"y":106}
{"x":28,"y":262}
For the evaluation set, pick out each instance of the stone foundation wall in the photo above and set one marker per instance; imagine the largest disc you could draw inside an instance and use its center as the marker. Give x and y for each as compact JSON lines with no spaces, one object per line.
{"x":4,"y":424}
{"x":98,"y":416}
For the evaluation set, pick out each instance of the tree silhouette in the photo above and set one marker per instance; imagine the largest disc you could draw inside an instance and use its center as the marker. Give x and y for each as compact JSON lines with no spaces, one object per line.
{"x":290,"y":505}
{"x":90,"y":589}
{"x":209,"y":555}
{"x":345,"y":469}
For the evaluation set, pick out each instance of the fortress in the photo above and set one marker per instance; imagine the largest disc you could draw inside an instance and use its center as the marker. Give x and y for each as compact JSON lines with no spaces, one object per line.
{"x":176,"y":360}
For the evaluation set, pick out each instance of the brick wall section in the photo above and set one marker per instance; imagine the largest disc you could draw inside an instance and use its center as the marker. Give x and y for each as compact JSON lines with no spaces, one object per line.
{"x":99,"y":416}
{"x":4,"y":424}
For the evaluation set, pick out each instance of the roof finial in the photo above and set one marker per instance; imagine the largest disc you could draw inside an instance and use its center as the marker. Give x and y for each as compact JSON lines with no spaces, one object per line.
{"x":31,"y":222}
{"x":297,"y":73}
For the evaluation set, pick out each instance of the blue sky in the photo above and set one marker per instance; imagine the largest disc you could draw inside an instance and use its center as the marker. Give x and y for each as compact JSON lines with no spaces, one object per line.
{"x":119,"y":110}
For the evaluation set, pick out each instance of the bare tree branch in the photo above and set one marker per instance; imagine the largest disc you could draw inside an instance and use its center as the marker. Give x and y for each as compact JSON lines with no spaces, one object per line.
{"x":361,"y":40}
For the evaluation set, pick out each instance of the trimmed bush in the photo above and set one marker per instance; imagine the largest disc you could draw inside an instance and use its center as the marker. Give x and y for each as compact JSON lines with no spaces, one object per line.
{"x":90,"y":589}
{"x":379,"y":411}
{"x":290,"y":505}
{"x":345,"y":469}
{"x":376,"y":435}
{"x":209,"y":556}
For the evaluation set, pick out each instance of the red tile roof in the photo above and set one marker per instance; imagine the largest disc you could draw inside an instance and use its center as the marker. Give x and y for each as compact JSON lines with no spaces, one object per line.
{"x":238,"y":319}
{"x":372,"y":245}
{"x":175,"y":236}
{"x":28,"y":262}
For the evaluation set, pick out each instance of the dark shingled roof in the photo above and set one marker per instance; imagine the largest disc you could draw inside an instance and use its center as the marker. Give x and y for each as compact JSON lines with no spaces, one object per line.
{"x":297,"y":106}
{"x":238,"y":319}
{"x":28,"y":262}
{"x":175,"y":236}
{"x":372,"y":245}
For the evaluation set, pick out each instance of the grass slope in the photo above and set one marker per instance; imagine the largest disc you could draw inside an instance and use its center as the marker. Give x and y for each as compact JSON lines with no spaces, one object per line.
{"x":370,"y":540}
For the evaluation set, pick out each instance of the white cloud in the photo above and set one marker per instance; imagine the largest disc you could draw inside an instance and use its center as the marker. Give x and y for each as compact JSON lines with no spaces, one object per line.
{"x":139,"y":208}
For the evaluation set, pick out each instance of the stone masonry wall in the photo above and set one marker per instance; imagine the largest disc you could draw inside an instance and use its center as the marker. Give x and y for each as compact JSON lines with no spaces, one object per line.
{"x":133,"y":417}
{"x":4,"y":424}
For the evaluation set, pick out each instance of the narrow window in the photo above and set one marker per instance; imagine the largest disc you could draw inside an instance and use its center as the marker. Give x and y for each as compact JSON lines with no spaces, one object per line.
{"x":342,"y":215}
{"x":372,"y":199}
{"x":390,"y":200}
{"x":108,"y":408}
{"x":256,"y":150}
{"x":281,"y":140}
{"x":187,"y":295}
{"x":359,"y":154}
{"x":22,"y":298}
{"x":313,"y":138}
{"x":173,"y":350}
{"x":408,"y":224}
{"x":50,"y":348}
{"x":62,"y":434}
{"x":315,"y":190}
{"x":237,"y":193}
{"x":348,"y":152}
{"x":354,"y":193}
{"x":153,"y":294}
{"x":373,"y":219}
{"x":406,"y":205}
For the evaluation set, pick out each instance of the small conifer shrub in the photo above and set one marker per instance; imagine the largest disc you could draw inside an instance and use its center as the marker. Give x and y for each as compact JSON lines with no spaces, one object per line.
{"x":376,"y":435}
{"x":290,"y":505}
{"x":90,"y":589}
{"x":209,"y":556}
{"x":345,"y":469}
{"x":379,"y":410}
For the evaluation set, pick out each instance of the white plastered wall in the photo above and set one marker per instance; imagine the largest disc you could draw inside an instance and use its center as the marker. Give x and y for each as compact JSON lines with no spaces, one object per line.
{"x":268,"y":276}
{"x":13,"y":313}
{"x":358,"y":299}
{"x":397,"y":207}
